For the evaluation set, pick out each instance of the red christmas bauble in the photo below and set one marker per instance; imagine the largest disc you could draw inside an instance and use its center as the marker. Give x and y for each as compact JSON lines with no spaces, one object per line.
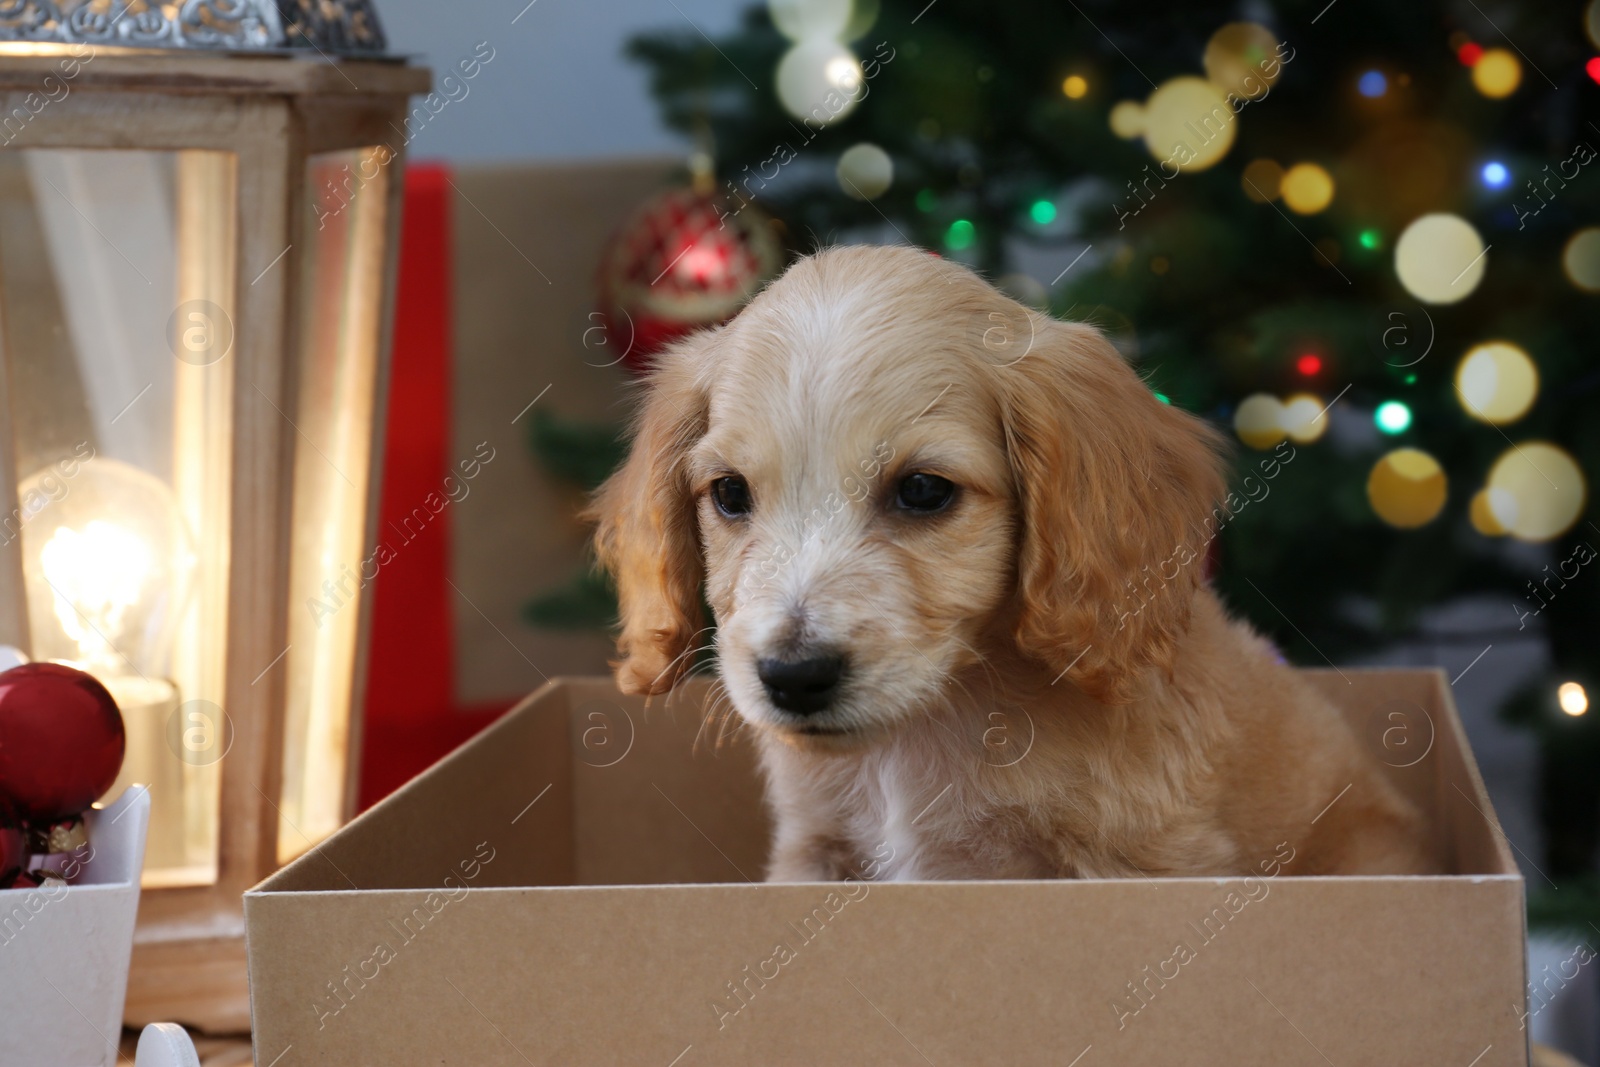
{"x":61,"y":741}
{"x":684,"y":261}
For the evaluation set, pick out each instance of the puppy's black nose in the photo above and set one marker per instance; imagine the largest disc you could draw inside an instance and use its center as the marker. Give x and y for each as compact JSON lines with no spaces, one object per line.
{"x":803,"y":686}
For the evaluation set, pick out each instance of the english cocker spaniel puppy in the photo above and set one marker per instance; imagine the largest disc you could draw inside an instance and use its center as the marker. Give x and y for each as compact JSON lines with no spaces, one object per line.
{"x":954,"y":551}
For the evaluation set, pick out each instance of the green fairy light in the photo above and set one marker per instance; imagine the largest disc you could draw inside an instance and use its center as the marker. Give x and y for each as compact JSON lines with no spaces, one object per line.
{"x":1392,"y":417}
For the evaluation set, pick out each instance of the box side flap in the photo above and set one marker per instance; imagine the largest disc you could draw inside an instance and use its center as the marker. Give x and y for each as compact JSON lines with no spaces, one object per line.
{"x":667,"y":792}
{"x":1471,"y":826}
{"x":1407,"y":720}
{"x":506,"y":792}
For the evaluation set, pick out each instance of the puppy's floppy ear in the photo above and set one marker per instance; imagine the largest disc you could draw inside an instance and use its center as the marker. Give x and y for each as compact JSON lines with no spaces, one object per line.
{"x":647,"y":536}
{"x":1112,"y":485}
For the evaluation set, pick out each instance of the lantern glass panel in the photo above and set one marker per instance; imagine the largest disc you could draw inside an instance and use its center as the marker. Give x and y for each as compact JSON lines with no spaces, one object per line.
{"x":116,"y":295}
{"x":342,"y":278}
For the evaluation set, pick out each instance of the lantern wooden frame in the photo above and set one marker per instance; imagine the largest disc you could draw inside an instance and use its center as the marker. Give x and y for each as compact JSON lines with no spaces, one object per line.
{"x":273,"y":113}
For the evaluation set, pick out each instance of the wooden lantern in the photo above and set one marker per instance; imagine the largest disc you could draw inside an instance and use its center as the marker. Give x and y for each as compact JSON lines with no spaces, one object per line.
{"x":196,"y":278}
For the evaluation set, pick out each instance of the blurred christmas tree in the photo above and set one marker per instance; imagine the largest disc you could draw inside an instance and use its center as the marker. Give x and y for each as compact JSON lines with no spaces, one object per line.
{"x":1361,"y":230}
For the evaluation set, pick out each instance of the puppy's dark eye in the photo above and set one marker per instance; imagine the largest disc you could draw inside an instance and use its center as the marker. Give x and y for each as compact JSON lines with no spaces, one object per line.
{"x":924,"y":492}
{"x":731,"y":495}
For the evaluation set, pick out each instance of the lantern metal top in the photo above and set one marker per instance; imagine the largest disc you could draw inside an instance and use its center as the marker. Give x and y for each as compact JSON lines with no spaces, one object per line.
{"x":330,"y":27}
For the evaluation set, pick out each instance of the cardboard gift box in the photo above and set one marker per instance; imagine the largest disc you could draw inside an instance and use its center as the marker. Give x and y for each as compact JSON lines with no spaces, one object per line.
{"x":580,"y":884}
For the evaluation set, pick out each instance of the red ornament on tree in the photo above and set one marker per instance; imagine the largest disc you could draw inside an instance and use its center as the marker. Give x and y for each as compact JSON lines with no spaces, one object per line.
{"x":685,"y":260}
{"x":61,"y":742}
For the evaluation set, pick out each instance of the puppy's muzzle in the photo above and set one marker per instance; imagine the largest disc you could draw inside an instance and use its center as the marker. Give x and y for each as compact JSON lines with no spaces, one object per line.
{"x":802,"y":686}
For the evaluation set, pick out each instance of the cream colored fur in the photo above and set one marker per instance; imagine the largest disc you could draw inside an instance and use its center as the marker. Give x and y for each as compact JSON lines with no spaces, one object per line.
{"x":1040,"y":684}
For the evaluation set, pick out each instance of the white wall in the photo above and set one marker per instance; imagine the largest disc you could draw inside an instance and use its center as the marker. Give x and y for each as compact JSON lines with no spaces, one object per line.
{"x":557,"y":87}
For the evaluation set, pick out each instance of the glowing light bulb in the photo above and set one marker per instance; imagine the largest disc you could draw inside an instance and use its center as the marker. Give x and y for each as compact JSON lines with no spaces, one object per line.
{"x":1574,"y":701}
{"x":108,"y":568}
{"x":96,"y":574}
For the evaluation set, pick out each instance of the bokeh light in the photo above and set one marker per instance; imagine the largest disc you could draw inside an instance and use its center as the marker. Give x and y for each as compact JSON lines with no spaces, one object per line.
{"x":1536,"y":491}
{"x":1407,"y":488}
{"x":1234,"y":57}
{"x":1305,"y":418}
{"x":1370,"y":239}
{"x":1309,"y":365}
{"x":1572,"y":698}
{"x":1259,"y":421}
{"x":1580,"y":259}
{"x":1306,"y":188}
{"x":820,"y":79}
{"x":1497,"y":382}
{"x":1495,"y":175}
{"x":1075,"y":86}
{"x":1392,"y":416}
{"x":1440,"y":258}
{"x":1188,"y":120}
{"x":1497,"y":73}
{"x":803,"y":20}
{"x":1373,"y":84}
{"x":865,"y":171}
{"x":1482,"y":515}
{"x":1262,"y":180}
{"x":1127,"y":119}
{"x":960,"y":235}
{"x":1043,"y":212}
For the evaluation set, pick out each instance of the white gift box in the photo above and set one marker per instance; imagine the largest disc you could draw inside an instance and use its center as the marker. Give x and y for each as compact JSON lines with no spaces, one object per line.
{"x":64,"y":948}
